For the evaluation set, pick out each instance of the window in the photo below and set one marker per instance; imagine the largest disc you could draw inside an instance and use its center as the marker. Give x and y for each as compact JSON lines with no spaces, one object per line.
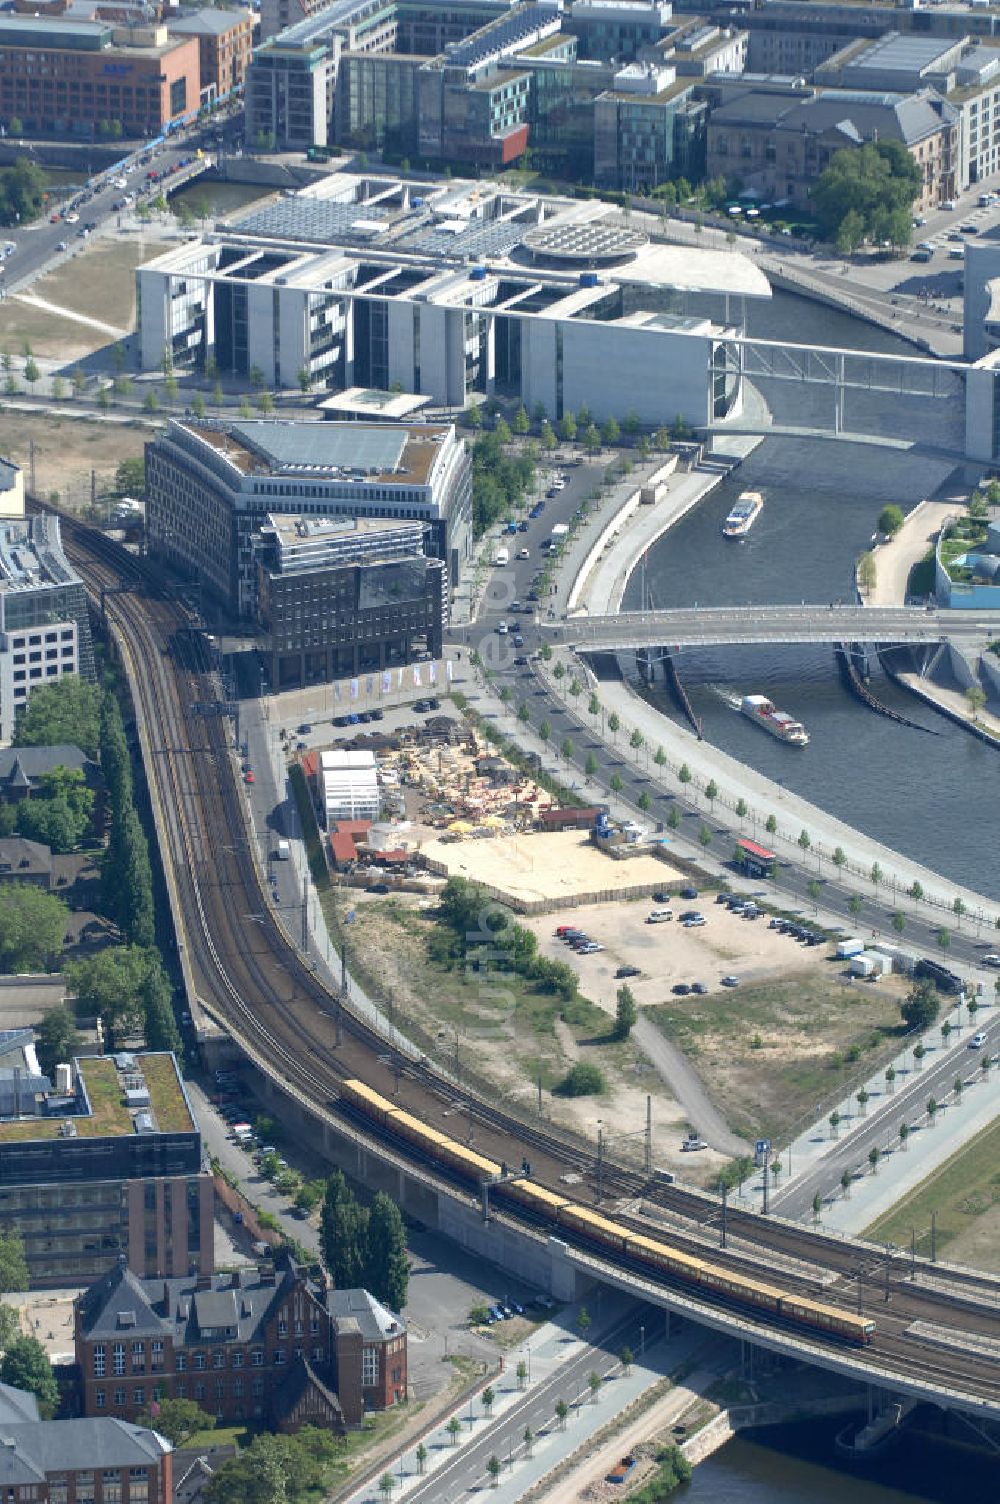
{"x":139,"y":1395}
{"x":57,"y":1488}
{"x":100,"y":1360}
{"x":257,"y":1358}
{"x":111,"y":1486}
{"x":138,"y":1485}
{"x":181,"y":1389}
{"x":138,"y":1357}
{"x":282,"y":1327}
{"x":237,"y":1359}
{"x":219,"y":1358}
{"x":369,"y":1366}
{"x":180,"y":1362}
{"x":279,"y":1355}
{"x":100,"y":1398}
{"x":119,"y":1395}
{"x":199,"y":1360}
{"x":119,"y":1358}
{"x":317,"y":1355}
{"x":85,"y":1488}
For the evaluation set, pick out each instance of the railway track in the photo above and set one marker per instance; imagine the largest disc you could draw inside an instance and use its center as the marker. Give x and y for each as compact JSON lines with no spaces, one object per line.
{"x":251,"y":978}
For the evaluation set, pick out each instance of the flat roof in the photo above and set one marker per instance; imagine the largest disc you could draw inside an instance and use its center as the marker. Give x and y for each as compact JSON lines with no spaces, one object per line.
{"x":352,"y":452}
{"x":109,"y":1117}
{"x":362,"y":401}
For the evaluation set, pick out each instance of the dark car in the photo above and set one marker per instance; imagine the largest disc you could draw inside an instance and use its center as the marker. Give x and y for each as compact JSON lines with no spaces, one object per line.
{"x":533,"y":594}
{"x":522,"y":526}
{"x":518,"y":640}
{"x":421,"y":707}
{"x":699,"y":987}
{"x":305,"y":728}
{"x":520,"y":661}
{"x":364,"y":716}
{"x":661,"y":897}
{"x":722,"y":897}
{"x":681,"y":989}
{"x":627,"y":971}
{"x":689,"y":892}
{"x":379,"y":888}
{"x":434,"y":704}
{"x":378,"y":715}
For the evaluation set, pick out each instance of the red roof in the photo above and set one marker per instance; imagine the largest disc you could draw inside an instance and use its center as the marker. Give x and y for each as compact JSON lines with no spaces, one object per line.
{"x":352,"y":827}
{"x":309,"y":762}
{"x":752,"y":849}
{"x":342,"y":847}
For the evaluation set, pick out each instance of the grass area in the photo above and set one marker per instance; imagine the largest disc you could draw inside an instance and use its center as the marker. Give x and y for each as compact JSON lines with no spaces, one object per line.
{"x":515,"y":1032}
{"x":770,"y":1053}
{"x":964,"y":1195}
{"x":98,"y":281}
{"x":221,"y":1436}
{"x":109,"y":1114}
{"x":165,"y":1094}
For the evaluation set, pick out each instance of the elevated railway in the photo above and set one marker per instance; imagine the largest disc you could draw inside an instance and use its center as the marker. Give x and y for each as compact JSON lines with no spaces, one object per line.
{"x":247,"y":973}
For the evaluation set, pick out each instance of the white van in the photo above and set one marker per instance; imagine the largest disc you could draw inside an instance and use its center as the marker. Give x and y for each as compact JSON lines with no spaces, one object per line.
{"x":502,"y":556}
{"x":659,"y":916}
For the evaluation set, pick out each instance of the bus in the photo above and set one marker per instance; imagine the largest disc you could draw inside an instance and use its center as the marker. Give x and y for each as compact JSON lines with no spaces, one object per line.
{"x":754,"y":860}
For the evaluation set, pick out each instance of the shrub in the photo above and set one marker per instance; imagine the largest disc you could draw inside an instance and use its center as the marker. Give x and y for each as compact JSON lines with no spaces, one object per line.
{"x":583,"y":1080}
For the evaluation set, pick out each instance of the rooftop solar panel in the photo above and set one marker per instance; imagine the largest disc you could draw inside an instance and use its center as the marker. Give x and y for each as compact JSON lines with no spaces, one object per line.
{"x":302,"y":447}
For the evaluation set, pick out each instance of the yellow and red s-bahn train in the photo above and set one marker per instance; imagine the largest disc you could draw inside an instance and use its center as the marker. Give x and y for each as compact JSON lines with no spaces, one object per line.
{"x":729,"y":1284}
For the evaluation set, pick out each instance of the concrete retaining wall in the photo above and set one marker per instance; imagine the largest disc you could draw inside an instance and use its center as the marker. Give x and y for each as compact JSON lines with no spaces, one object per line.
{"x":604,"y":537}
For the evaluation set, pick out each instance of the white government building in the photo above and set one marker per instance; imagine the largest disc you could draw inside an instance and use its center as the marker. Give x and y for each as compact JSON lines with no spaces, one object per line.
{"x":454,"y":291}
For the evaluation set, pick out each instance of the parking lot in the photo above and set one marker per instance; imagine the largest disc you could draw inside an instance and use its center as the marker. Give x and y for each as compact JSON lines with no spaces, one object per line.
{"x":670,"y":953}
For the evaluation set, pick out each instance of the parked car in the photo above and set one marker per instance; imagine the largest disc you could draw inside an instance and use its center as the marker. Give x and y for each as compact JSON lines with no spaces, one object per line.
{"x":627,"y":971}
{"x":689,"y":892}
{"x":681,"y":989}
{"x":730,"y":981}
{"x":699,"y":987}
{"x":977,"y":1041}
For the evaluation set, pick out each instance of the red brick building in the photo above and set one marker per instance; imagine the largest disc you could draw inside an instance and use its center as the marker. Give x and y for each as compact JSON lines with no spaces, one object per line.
{"x":225,"y":47}
{"x":66,"y":78}
{"x":271,"y":1344}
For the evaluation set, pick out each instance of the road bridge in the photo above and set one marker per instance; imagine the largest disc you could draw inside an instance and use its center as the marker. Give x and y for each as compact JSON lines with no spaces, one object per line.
{"x":710,"y":626}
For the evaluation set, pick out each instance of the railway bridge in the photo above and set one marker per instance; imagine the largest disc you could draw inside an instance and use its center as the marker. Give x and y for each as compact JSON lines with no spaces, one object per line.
{"x":941,"y":1338}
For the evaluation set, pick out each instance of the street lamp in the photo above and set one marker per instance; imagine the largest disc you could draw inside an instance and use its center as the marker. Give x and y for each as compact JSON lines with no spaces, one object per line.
{"x":642,"y":1340}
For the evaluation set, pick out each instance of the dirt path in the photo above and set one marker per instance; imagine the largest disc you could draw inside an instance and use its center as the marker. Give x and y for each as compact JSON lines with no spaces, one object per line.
{"x":69,"y":313}
{"x":664,"y":1413}
{"x":677,"y":1073}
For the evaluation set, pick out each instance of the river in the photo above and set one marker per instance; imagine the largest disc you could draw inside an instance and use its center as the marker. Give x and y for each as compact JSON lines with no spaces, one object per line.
{"x":909,"y":789}
{"x":797,"y":1465}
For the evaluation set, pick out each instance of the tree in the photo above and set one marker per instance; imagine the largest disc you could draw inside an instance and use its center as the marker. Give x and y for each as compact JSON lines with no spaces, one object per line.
{"x":771,"y":824}
{"x":217,"y":394}
{"x":614,"y":723}
{"x":159,"y":1024}
{"x":814,"y":888}
{"x":626,"y":1013}
{"x":56,"y":1039}
{"x":590,"y":766}
{"x":591,"y":438}
{"x":645,"y":801}
{"x":502,"y":430}
{"x":862,"y":1100}
{"x":562,"y":1411}
{"x":890,"y":520}
{"x":704,"y":836}
{"x":110,"y":984}
{"x":610,"y":432}
{"x":855,"y":904}
{"x":626,"y":1359}
{"x":899,"y":922}
{"x":873,"y":1158}
{"x":660,"y":758}
{"x":915,"y":891}
{"x":523,"y":714}
{"x":742,"y":809}
{"x":31,"y":371}
{"x":265,"y":403}
{"x":567,"y":428}
{"x":975,"y":698}
{"x":684,"y":773}
{"x":932,"y":1109}
{"x":488,"y":1398}
{"x":595,"y":1381}
{"x":387,"y":1268}
{"x":170,"y":387}
{"x":582,"y":1080}
{"x":545,"y":730}
{"x":151,"y":401}
{"x":834,"y":1123}
{"x":817,"y":1207}
{"x":32,"y":926}
{"x":616,"y":783}
{"x":474,"y":416}
{"x":304,"y":379}
{"x":547,"y":436}
{"x":850,"y":233}
{"x":454,"y":1429}
{"x":386,"y":1484}
{"x":421,"y":1455}
{"x":673,"y":817}
{"x":198,"y":406}
{"x":26,"y":1365}
{"x":890,"y":1079}
{"x":944,"y":938}
{"x":875,"y":874}
{"x":13,"y":1266}
{"x":567,"y":748}
{"x":873,"y":182}
{"x":521,"y":1374}
{"x":521,"y":424}
{"x":64,"y":713}
{"x":904,"y":1133}
{"x":635,"y":740}
{"x":342,"y":1234}
{"x":958,"y":909}
{"x":256,"y":377}
{"x":178,"y":1420}
{"x":529,"y":1440}
{"x":493,"y":1468}
{"x":845,"y":1183}
{"x":920,"y":1007}
{"x":805,"y":840}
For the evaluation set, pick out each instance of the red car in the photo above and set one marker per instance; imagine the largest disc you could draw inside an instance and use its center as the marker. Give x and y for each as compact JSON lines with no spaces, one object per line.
{"x":248,"y":778}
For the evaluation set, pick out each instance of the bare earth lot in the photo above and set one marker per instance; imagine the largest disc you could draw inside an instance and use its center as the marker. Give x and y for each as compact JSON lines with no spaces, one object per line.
{"x":555,"y":867}
{"x":67,"y":449}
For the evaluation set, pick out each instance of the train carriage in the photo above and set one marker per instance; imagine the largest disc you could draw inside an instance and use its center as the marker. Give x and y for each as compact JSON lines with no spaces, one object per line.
{"x":535,"y":1196}
{"x":814,"y":1314}
{"x":366,"y":1099}
{"x":662,"y":1256}
{"x":592,"y":1225}
{"x":740,"y":1287}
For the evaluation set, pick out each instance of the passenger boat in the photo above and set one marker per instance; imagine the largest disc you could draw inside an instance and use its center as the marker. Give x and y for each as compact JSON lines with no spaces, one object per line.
{"x":743,"y":515}
{"x":778,"y":722}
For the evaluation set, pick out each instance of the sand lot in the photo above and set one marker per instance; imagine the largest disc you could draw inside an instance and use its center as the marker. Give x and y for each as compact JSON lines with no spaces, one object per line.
{"x":669,"y":953}
{"x":555,"y":867}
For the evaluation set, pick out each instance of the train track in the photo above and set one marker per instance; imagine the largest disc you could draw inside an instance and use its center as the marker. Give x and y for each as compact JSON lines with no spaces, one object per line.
{"x":253,"y":980}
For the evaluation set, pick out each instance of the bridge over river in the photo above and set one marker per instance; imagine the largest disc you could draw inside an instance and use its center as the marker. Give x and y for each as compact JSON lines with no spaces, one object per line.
{"x":707,"y":626}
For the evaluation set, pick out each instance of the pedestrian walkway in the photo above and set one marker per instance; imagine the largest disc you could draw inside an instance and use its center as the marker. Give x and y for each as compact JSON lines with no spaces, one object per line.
{"x":557,"y":1368}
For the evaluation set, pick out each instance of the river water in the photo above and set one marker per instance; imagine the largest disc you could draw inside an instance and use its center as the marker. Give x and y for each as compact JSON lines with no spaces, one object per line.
{"x":797,"y":1465}
{"x":909,"y":789}
{"x":915,"y":791}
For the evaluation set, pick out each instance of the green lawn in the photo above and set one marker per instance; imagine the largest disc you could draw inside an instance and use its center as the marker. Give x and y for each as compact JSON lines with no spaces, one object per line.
{"x":964,"y":1195}
{"x":770,"y":1053}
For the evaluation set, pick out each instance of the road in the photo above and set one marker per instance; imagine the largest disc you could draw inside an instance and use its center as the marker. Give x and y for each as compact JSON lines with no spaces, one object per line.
{"x":707,"y":625}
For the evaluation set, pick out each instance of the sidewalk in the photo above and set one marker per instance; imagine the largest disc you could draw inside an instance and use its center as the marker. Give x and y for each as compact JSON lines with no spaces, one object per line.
{"x":559,"y":1369}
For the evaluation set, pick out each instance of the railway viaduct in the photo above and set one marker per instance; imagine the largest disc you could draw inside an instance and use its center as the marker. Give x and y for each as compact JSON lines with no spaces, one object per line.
{"x":940,"y":1340}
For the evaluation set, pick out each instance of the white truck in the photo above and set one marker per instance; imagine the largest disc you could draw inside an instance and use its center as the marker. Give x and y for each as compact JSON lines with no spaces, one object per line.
{"x":282,"y":850}
{"x":502,"y":556}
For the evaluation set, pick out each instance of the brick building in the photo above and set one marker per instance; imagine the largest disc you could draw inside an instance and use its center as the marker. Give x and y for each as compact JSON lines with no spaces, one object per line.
{"x":225,"y":47}
{"x":63,"y":77}
{"x":272,"y":1344}
{"x":108,"y":1165}
{"x":78,"y":1461}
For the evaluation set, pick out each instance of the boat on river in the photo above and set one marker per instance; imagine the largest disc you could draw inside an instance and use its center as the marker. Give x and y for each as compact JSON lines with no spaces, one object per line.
{"x":743,"y":515}
{"x":778,"y":722}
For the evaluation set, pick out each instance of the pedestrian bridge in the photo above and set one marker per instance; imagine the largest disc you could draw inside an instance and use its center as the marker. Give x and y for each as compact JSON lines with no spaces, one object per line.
{"x":709,"y":626}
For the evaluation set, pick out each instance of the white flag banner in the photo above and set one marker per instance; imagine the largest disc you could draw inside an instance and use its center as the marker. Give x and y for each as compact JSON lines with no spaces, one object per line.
{"x":399,"y":678}
{"x":416,"y":676}
{"x":448,"y":669}
{"x":355,"y":686}
{"x":387,"y":682}
{"x":432,"y":674}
